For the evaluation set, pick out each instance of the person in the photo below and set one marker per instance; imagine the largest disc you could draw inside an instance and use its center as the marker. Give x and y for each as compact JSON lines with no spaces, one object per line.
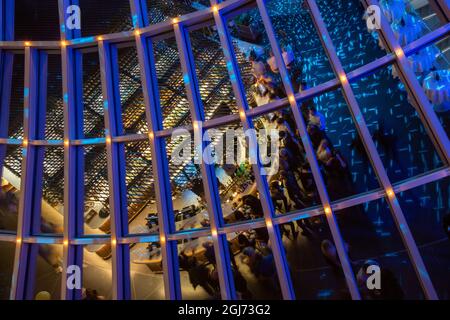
{"x":254,"y":204}
{"x":258,"y":67}
{"x":316,"y":118}
{"x":282,"y":206}
{"x":91,"y":294}
{"x":199,"y":275}
{"x":330,"y":254}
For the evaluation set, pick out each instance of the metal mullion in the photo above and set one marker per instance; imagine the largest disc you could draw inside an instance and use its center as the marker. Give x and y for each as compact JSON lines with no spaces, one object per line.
{"x":109,"y":71}
{"x":214,"y":208}
{"x":163,"y":193}
{"x":139,"y":13}
{"x":310,"y":154}
{"x":422,"y":104}
{"x":22,"y":286}
{"x":72,"y":80}
{"x":372,"y":152}
{"x":281,"y":265}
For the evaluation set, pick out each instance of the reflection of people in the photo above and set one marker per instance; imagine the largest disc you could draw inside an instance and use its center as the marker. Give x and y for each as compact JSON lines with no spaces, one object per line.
{"x":91,"y":294}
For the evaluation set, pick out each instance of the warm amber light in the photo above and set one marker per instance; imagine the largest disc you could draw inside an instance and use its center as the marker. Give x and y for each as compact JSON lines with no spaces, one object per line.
{"x":343,"y":78}
{"x":215,"y":8}
{"x":269,"y":223}
{"x":291,"y":99}
{"x":214,"y":232}
{"x":151,"y":135}
{"x":175,"y":20}
{"x":27,"y":43}
{"x":399,"y":52}
{"x":242,"y":114}
{"x":25,"y":143}
{"x":100,"y":38}
{"x":113,"y":242}
{"x":137,"y":32}
{"x":19,"y":241}
{"x":66,"y":143}
{"x":63,"y":43}
{"x":66,"y":242}
{"x":390,"y":193}
{"x":108,"y":140}
{"x":162,"y":239}
{"x":327,"y":210}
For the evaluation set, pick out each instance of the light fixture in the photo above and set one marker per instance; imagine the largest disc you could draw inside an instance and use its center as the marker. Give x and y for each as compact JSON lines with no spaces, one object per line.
{"x":66,"y":142}
{"x":269,"y":223}
{"x":343,"y":78}
{"x":27,"y":43}
{"x":100,"y":38}
{"x":66,"y":242}
{"x":242,"y":114}
{"x":215,"y":8}
{"x":175,"y":20}
{"x":327,"y":210}
{"x":25,"y":143}
{"x":162,"y":239}
{"x":113,"y":242}
{"x":399,"y":53}
{"x":291,"y":98}
{"x":19,"y":240}
{"x":137,"y":32}
{"x":151,"y":135}
{"x":390,"y":192}
{"x":214,"y":232}
{"x":63,"y":43}
{"x":108,"y":140}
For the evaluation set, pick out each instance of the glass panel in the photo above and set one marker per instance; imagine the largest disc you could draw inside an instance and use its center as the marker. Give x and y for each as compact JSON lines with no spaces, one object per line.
{"x":97,"y":273}
{"x":15,"y":123}
{"x":131,"y":97}
{"x":96,"y":191}
{"x":252,"y":49}
{"x":235,"y":178}
{"x":432,"y":68}
{"x":352,"y":173}
{"x":188,"y":195}
{"x":302,"y":49}
{"x":93,"y":112}
{"x":52,"y":214}
{"x":36,"y":20}
{"x":172,"y":94}
{"x":254,"y":269}
{"x":211,"y":70}
{"x":48,"y":272}
{"x":315,"y":267}
{"x":147,"y":281}
{"x":7,"y":250}
{"x":427,"y":210}
{"x":410,"y":19}
{"x":163,"y":10}
{"x":372,"y":238}
{"x":198,"y":276}
{"x":402,"y":141}
{"x":355,"y":46}
{"x":288,"y":172}
{"x":104,"y":16}
{"x":10,"y":188}
{"x":141,"y":202}
{"x":54,"y":122}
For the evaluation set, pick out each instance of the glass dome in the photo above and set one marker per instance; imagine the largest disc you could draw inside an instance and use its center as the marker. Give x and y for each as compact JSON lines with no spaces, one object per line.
{"x":95,"y":205}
